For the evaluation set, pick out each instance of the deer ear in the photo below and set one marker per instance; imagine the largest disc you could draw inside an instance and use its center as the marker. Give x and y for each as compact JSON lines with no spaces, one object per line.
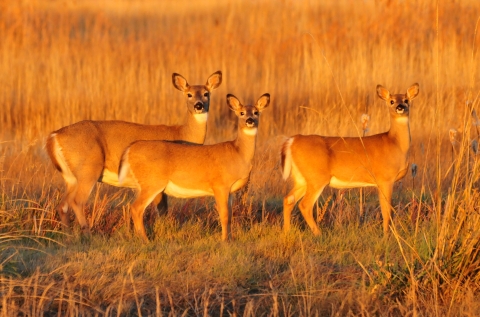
{"x":179,"y":82}
{"x":263,"y":102}
{"x":214,"y":80}
{"x":233,"y":102}
{"x":413,"y":91}
{"x":383,"y":92}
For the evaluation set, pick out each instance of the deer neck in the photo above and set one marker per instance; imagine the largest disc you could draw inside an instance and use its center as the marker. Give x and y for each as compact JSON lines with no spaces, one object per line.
{"x":400,"y":132}
{"x":245,"y":143}
{"x":195,"y":128}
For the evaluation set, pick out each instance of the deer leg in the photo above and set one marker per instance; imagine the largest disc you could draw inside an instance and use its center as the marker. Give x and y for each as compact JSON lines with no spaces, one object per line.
{"x":306,"y":207}
{"x":223,"y":201}
{"x":62,"y":208}
{"x":385,"y":198}
{"x":289,"y":203}
{"x":144,"y":198}
{"x":78,"y":199}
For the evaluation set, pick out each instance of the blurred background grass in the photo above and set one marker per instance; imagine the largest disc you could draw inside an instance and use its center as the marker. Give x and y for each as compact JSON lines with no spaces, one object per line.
{"x":66,"y":61}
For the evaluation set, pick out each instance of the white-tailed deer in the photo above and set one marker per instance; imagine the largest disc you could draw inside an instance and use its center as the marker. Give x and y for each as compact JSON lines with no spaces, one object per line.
{"x":379,"y":160}
{"x":88,"y":151}
{"x":184,"y":170}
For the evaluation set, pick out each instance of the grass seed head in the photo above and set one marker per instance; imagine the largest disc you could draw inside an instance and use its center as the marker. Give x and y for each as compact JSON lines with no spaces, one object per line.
{"x":414,"y":170}
{"x":475,"y":120}
{"x":364,"y":120}
{"x":452,"y":135}
{"x":475,"y":146}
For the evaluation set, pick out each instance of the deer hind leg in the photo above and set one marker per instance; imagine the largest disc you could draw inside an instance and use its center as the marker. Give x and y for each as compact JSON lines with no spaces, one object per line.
{"x":78,"y":199}
{"x":385,"y":198}
{"x":144,"y":198}
{"x":306,"y":207}
{"x":62,"y":208}
{"x":289,"y":203}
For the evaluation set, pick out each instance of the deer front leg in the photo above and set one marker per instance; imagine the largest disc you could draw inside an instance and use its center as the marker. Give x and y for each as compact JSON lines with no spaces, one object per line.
{"x":385,"y":197}
{"x":224,"y":206}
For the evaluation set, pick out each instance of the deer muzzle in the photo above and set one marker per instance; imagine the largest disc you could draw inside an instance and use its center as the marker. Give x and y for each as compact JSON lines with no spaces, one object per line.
{"x":400,"y":109}
{"x":250,"y":122}
{"x":199,"y":107}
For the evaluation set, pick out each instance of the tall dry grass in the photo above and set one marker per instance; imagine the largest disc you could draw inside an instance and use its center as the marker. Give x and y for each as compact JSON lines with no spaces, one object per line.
{"x":67,"y":61}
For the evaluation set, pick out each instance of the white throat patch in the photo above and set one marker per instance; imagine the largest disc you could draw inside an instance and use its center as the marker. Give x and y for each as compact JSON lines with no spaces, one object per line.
{"x":402,"y":120}
{"x":250,"y":131}
{"x":201,"y":117}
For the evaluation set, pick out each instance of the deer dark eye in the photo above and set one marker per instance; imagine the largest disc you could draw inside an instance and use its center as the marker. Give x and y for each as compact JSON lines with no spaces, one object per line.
{"x":255,"y":113}
{"x":189,"y":95}
{"x":205,"y":94}
{"x":242,"y":113}
{"x":392,"y":102}
{"x":406,"y":100}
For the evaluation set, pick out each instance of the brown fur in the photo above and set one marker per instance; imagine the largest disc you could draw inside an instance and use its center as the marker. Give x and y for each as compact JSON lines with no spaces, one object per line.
{"x":378,"y":160}
{"x":185,"y":171}
{"x":92,"y":149}
{"x":49,"y":145}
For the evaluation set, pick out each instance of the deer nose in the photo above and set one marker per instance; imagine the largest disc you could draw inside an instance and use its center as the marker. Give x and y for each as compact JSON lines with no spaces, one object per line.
{"x":401,"y":109}
{"x":198,"y":106}
{"x":250,"y":122}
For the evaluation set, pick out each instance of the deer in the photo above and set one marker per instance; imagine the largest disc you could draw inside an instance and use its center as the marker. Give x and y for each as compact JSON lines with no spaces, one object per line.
{"x":314,"y":161}
{"x":89,"y":151}
{"x":189,"y":170}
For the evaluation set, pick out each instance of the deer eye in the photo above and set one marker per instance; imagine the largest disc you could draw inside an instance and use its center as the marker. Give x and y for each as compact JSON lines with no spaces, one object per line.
{"x":392,"y":102}
{"x":242,"y":113}
{"x":205,"y":94}
{"x":406,"y":100}
{"x":255,"y":113}
{"x":189,"y":95}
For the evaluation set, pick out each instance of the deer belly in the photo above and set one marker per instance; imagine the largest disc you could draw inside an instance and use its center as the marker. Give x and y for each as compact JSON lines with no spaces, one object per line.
{"x":238,"y":184}
{"x":183,"y":192}
{"x":111,"y":178}
{"x":338,"y":183}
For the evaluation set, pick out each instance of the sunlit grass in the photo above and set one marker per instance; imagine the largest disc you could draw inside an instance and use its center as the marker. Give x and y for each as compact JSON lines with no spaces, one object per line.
{"x":65,"y":62}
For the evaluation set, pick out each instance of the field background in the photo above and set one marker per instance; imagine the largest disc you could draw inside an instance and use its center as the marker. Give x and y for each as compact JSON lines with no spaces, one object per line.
{"x":65,"y":61}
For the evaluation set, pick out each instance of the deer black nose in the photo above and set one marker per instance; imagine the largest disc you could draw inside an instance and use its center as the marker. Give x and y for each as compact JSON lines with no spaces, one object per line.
{"x":401,"y":109}
{"x":198,"y":106}
{"x":250,"y":121}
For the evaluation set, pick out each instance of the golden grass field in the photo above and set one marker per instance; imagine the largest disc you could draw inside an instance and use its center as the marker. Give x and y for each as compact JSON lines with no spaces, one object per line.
{"x":65,"y":61}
